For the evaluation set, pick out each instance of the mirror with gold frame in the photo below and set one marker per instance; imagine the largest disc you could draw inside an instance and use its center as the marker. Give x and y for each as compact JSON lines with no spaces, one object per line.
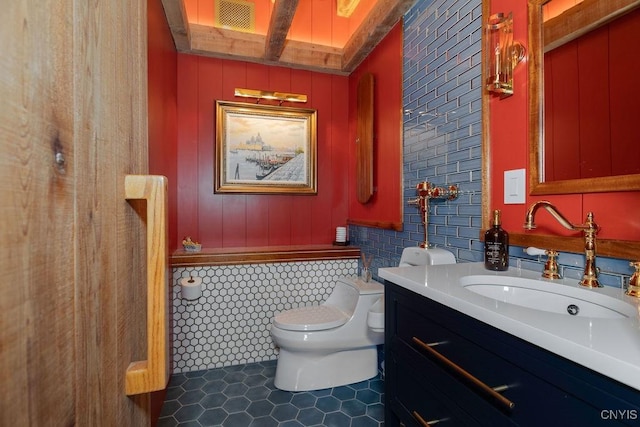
{"x":535,"y":54}
{"x":584,"y":17}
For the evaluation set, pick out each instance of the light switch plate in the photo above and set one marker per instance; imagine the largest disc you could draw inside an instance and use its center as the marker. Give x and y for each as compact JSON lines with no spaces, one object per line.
{"x":514,"y":187}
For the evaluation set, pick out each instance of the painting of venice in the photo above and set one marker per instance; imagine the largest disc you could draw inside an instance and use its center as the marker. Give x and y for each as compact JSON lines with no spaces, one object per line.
{"x":266,"y":150}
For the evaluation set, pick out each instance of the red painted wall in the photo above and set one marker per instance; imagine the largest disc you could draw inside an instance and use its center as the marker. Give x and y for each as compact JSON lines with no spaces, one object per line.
{"x":614,"y":212}
{"x":162,"y":93}
{"x":250,"y":220}
{"x":385,"y":63}
{"x":583,"y":115}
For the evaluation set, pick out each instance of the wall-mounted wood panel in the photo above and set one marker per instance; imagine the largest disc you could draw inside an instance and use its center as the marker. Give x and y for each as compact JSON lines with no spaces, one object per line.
{"x":364,"y":138}
{"x":384,"y":209}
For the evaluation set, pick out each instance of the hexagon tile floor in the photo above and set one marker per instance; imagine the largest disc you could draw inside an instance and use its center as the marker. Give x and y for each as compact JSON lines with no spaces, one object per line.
{"x":244,"y":395}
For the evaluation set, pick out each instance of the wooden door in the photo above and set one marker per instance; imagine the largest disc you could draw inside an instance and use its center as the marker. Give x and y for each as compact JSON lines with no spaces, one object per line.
{"x":72,"y":125}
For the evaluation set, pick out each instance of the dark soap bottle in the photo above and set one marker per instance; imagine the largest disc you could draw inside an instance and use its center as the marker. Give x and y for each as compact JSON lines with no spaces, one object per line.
{"x":496,"y":246}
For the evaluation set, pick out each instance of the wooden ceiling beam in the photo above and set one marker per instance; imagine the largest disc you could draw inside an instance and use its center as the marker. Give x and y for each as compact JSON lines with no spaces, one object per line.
{"x":325,"y":59}
{"x":224,"y":43}
{"x":281,"y":18}
{"x":274,"y":48}
{"x":381,"y":19}
{"x":178,"y":24}
{"x":229,"y":44}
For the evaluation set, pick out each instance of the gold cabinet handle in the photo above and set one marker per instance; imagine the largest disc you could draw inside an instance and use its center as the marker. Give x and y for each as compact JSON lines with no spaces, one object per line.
{"x":478,"y":385}
{"x":144,"y":376}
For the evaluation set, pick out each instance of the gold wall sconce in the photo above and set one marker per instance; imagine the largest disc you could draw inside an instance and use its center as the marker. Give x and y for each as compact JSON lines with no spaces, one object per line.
{"x":274,"y":96}
{"x":502,"y":54}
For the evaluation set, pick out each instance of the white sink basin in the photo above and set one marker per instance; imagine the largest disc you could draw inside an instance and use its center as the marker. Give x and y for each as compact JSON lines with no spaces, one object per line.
{"x":548,"y":296}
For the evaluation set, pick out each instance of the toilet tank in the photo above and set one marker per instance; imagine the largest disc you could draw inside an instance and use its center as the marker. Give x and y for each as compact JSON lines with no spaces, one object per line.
{"x":425,"y":256}
{"x":348,"y":291}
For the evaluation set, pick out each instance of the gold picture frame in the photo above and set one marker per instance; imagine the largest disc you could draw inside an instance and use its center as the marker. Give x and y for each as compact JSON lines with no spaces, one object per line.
{"x":265,"y":149}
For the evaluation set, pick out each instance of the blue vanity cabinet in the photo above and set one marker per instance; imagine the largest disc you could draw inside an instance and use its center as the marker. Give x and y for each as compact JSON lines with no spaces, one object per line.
{"x":440,"y":365}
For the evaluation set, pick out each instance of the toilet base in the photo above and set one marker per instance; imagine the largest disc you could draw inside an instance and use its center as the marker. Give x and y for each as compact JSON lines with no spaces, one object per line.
{"x":304,"y":371}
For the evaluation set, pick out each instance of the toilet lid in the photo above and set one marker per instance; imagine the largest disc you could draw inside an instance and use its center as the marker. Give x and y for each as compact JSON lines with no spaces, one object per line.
{"x":315,"y":318}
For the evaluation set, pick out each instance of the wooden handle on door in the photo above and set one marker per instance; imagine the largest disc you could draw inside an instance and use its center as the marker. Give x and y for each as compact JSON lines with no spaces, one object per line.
{"x":152,"y":374}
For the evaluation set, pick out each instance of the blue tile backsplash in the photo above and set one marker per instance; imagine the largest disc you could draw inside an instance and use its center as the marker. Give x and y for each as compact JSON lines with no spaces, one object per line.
{"x":442,"y":131}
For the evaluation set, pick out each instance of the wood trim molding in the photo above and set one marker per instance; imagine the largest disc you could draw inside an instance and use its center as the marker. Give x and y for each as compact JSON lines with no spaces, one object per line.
{"x":267,"y":254}
{"x":605,"y":247}
{"x":387,"y":225}
{"x":582,"y":18}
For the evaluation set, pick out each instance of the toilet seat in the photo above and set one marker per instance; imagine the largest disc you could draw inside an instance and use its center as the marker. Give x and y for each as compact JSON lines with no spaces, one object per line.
{"x":315,"y":318}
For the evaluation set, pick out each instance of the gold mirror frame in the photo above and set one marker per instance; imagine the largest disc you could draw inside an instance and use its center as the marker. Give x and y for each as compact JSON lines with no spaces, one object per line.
{"x":606,"y":247}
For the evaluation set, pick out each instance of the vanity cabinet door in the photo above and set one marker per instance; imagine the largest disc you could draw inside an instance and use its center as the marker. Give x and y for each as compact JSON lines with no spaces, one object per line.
{"x":417,"y":398}
{"x":545,"y":389}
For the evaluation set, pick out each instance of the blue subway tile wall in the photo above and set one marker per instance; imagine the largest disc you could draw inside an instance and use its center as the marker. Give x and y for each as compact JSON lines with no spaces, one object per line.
{"x":230,"y":323}
{"x":442,"y":97}
{"x":442,"y":131}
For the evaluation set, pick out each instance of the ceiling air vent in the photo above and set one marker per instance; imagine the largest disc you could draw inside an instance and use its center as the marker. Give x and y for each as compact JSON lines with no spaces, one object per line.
{"x":236,"y":15}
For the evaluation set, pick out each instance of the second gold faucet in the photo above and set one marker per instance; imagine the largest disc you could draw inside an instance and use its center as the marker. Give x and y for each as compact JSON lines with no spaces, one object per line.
{"x":589,"y":228}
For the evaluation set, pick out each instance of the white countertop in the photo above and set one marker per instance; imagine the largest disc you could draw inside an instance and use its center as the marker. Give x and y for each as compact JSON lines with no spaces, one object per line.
{"x":608,"y":346}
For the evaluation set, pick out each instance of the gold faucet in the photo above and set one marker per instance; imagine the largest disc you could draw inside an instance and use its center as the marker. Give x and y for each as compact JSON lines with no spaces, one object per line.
{"x":633,"y":290}
{"x":590,"y":228}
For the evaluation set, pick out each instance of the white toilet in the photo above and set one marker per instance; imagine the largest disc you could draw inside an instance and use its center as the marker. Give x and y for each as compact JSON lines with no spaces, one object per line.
{"x":335,"y":343}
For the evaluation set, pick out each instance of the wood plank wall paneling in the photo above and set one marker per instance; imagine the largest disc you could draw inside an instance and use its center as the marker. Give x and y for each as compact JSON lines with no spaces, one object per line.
{"x":74,"y":122}
{"x":247,"y":220}
{"x":37,"y":360}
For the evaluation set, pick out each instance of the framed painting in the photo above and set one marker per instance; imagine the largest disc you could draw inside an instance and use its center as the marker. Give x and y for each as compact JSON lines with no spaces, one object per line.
{"x":265,"y":149}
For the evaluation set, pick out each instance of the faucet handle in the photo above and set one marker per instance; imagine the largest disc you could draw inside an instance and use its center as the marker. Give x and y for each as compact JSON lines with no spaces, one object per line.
{"x":633,"y":289}
{"x":535,"y":251}
{"x":551,"y":270}
{"x":551,"y":266}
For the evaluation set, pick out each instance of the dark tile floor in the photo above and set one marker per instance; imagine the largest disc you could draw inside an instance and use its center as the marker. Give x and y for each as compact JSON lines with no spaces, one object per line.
{"x":244,"y":395}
